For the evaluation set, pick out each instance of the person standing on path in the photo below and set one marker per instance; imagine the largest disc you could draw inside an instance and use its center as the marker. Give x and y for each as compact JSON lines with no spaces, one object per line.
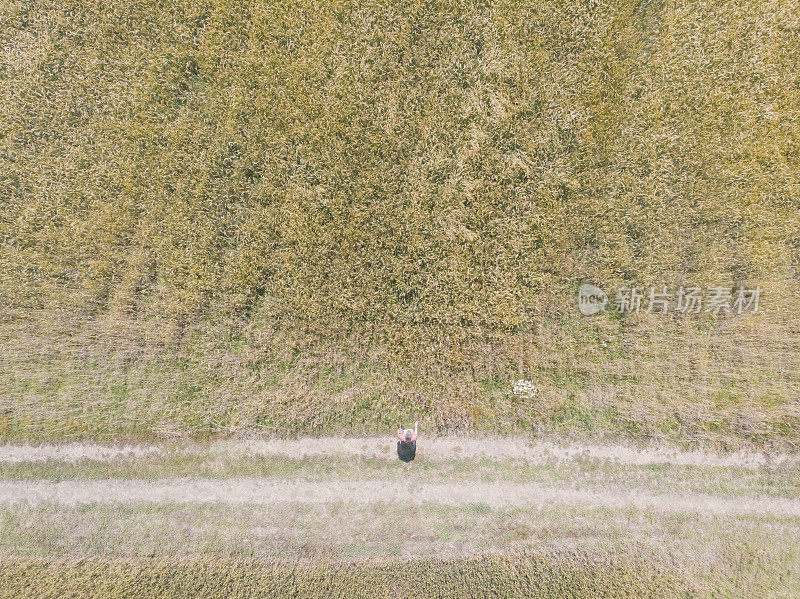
{"x":407,"y":443}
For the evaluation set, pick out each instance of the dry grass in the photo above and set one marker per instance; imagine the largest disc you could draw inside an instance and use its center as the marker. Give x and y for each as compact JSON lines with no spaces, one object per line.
{"x":220,"y":218}
{"x":558,"y":551}
{"x":680,"y":381}
{"x":572,"y":576}
{"x":237,"y":218}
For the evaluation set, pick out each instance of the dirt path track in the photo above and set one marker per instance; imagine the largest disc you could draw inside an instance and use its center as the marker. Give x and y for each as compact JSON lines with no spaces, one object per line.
{"x":263,"y":491}
{"x":437,"y":449}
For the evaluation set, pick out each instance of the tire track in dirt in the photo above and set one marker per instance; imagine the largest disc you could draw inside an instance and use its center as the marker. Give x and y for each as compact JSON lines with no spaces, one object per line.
{"x":436,"y":449}
{"x":449,"y":448}
{"x":268,"y":491}
{"x":74,"y":452}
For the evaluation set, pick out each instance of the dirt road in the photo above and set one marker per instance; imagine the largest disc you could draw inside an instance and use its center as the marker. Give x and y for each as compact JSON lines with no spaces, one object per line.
{"x":265,"y":491}
{"x":438,"y":449}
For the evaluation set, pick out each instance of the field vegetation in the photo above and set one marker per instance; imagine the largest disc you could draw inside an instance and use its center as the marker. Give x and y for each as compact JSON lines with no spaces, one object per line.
{"x":239,"y":218}
{"x":220,"y":217}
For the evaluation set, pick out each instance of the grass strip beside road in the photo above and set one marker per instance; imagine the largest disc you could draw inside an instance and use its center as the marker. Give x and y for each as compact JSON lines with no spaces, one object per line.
{"x":596,"y":474}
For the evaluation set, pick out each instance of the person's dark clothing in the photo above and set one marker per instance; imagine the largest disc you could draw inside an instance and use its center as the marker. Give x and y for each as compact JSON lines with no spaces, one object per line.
{"x":406,"y":450}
